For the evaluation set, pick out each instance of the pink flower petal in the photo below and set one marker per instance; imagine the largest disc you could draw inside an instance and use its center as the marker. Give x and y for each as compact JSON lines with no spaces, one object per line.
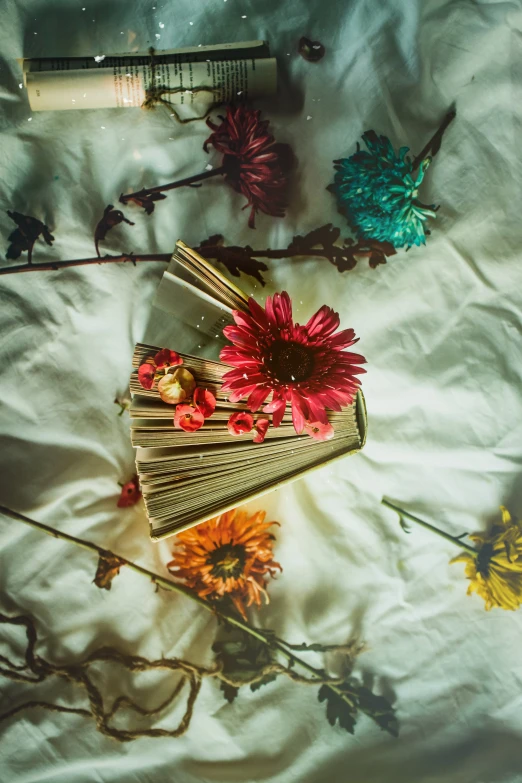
{"x":146,"y":373}
{"x":167,"y":358}
{"x":319,"y":431}
{"x":239,"y":423}
{"x":188,"y":418}
{"x":277,"y":409}
{"x":261,"y":428}
{"x":130,"y":493}
{"x":204,"y":402}
{"x":258,"y":397}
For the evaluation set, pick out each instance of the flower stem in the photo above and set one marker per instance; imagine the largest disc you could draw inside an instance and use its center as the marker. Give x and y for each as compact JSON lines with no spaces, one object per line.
{"x":237,"y":257}
{"x":55,"y":265}
{"x":434,"y":143}
{"x":428,"y":526}
{"x":168,"y":584}
{"x":180,"y":183}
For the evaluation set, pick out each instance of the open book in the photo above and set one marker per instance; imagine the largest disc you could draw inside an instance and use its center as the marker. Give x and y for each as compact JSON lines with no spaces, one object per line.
{"x":189,"y":477}
{"x":198,"y":294}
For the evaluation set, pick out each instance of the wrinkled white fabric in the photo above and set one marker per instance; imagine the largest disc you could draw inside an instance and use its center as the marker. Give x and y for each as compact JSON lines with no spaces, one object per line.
{"x":440,"y":327}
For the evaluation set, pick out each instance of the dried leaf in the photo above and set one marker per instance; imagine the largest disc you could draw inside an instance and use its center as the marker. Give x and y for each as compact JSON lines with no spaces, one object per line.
{"x":379,"y":709}
{"x":325,"y":236}
{"x":23,"y":238}
{"x":143,"y":198}
{"x":338,"y":709}
{"x":108,"y":567}
{"x":111,"y":217}
{"x":229,"y":691}
{"x":403,"y":524}
{"x":236,"y":259}
{"x":263,"y":681}
{"x":242,"y":658}
{"x":312,"y":51}
{"x":343,"y":707}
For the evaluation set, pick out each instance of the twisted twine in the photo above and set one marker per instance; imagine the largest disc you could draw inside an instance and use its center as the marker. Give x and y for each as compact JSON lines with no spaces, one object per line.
{"x":36,"y":670}
{"x":154,"y":95}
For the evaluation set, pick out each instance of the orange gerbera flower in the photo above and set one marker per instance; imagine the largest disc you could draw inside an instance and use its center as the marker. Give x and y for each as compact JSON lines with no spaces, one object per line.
{"x":228,"y":556}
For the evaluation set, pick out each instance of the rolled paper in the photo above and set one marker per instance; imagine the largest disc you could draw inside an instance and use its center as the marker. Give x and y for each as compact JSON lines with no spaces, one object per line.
{"x":201,"y":75}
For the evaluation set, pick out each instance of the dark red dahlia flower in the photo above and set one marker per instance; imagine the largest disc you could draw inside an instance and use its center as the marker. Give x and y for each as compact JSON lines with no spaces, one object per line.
{"x":255,"y":164}
{"x":306,"y":366}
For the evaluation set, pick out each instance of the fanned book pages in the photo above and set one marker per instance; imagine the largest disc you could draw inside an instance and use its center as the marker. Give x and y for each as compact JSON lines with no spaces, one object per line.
{"x":198,"y":294}
{"x":189,"y":477}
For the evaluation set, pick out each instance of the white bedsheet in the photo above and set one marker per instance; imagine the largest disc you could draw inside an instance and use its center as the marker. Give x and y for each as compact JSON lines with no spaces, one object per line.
{"x":440,"y":327}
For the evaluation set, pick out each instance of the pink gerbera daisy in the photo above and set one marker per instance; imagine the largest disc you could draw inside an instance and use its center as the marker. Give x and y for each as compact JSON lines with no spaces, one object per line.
{"x":305,"y":366}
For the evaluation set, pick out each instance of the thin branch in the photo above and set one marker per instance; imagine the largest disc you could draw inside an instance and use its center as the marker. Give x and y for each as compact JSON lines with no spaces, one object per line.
{"x":237,"y":258}
{"x":180,"y":183}
{"x":319,"y":674}
{"x":434,"y":143}
{"x":55,"y":265}
{"x":428,"y":526}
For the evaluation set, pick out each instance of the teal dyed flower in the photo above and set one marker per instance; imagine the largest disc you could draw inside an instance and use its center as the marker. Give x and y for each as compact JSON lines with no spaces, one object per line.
{"x":377,"y":190}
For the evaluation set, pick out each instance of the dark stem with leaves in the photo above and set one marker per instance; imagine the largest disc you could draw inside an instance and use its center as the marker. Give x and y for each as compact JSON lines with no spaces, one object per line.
{"x":433,"y":145}
{"x":320,"y":243}
{"x":348,"y":692}
{"x":147,"y":196}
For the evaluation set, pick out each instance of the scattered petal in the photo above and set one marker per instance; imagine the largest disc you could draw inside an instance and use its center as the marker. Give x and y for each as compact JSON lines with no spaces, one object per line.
{"x":146,"y":373}
{"x":204,"y":402}
{"x":177,"y":386}
{"x":130,"y":493}
{"x":167,"y":358}
{"x":319,"y":431}
{"x":261,"y":429}
{"x":240,"y":423}
{"x":188,"y":418}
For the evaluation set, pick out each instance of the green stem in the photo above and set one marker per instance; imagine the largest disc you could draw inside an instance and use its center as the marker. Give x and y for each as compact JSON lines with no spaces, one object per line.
{"x":428,"y":526}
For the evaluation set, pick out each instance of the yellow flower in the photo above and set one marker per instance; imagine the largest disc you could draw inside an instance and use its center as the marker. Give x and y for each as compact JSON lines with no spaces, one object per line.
{"x":496,"y":571}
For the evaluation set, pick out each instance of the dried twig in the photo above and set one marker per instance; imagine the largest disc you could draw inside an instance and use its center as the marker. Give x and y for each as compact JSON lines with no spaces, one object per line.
{"x":345,"y":696}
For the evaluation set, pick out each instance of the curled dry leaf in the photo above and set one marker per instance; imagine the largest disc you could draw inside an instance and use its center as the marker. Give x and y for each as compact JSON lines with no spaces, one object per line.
{"x":111,"y":217}
{"x":236,"y":259}
{"x":312,"y":51}
{"x":108,"y":567}
{"x":144,"y":198}
{"x":22,"y":239}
